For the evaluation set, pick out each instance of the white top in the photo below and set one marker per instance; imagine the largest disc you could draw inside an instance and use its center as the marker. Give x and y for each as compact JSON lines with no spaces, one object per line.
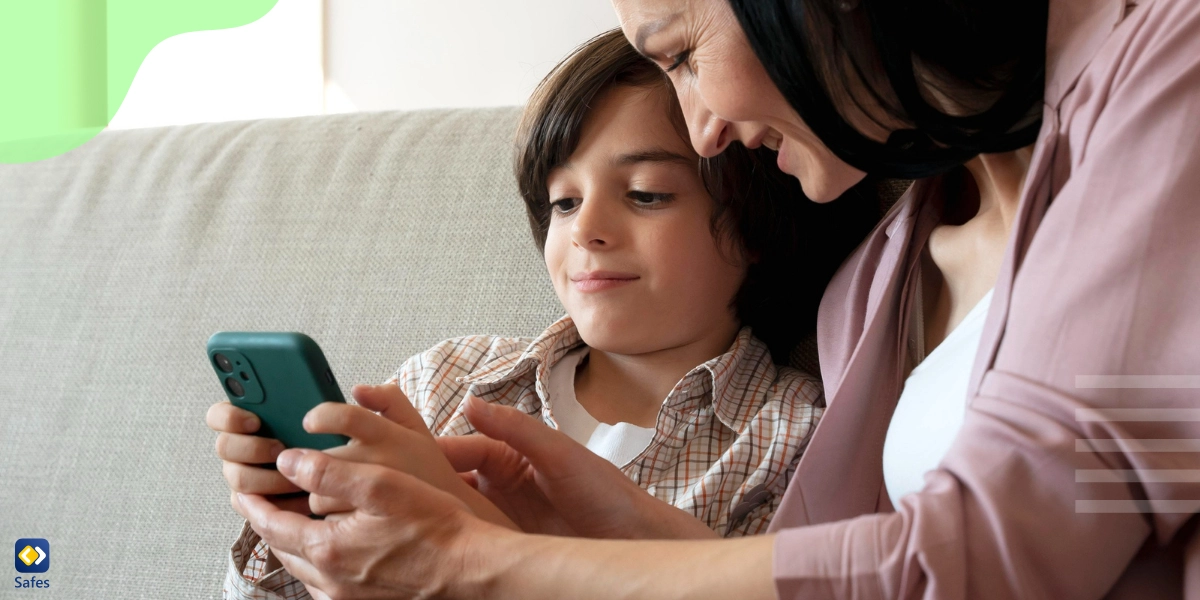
{"x":931,"y":407}
{"x":618,"y":444}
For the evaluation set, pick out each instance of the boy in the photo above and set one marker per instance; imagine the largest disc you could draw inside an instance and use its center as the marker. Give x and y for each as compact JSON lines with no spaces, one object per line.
{"x":679,"y":285}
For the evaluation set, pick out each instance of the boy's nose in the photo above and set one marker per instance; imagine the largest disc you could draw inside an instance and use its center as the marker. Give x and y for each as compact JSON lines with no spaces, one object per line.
{"x":591,"y":227}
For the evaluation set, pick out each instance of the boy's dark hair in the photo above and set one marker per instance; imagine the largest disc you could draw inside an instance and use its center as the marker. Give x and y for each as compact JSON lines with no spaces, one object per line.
{"x":793,"y":245}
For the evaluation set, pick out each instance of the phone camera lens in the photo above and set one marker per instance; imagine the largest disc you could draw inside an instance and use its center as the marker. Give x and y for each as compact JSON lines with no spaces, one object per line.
{"x":223,"y":363}
{"x":235,"y":387}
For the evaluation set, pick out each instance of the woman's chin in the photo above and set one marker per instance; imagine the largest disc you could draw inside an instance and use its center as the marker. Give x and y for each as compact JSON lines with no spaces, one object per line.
{"x":823,"y":190}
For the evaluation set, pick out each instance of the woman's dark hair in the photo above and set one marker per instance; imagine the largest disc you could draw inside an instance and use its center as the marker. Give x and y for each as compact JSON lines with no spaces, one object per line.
{"x":985,"y":57}
{"x":795,"y":245}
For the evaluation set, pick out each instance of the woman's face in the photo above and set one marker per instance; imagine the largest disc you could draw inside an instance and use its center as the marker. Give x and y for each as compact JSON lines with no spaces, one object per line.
{"x":630,"y":248}
{"x":725,"y":92}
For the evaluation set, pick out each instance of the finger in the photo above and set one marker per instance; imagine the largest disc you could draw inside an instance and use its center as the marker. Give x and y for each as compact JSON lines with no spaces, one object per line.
{"x":285,"y":531}
{"x":550,"y":451}
{"x":476,"y":452}
{"x":224,"y":416}
{"x":347,"y":419}
{"x":325,"y":505}
{"x":290,"y":502}
{"x":369,"y":488}
{"x":388,"y":400}
{"x":304,"y":571}
{"x":249,"y":449}
{"x":256,"y":480}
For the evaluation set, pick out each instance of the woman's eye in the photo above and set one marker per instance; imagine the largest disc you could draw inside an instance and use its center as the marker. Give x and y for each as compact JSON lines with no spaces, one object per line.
{"x":649,"y":199}
{"x":565,"y":205}
{"x":680,"y":60}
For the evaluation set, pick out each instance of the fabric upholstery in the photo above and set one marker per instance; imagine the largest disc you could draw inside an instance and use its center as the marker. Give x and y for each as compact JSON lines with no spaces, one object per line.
{"x":377,"y":234}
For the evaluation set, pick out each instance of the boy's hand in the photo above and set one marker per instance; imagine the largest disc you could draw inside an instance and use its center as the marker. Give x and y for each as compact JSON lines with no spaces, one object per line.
{"x":242,"y":455}
{"x":393,"y":436}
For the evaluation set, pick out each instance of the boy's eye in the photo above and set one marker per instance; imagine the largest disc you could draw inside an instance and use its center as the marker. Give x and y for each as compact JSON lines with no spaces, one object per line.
{"x":647,"y":199}
{"x":565,"y":205}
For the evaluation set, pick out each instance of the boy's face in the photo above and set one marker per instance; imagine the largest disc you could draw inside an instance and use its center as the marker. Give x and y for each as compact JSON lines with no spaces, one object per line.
{"x":630,"y":247}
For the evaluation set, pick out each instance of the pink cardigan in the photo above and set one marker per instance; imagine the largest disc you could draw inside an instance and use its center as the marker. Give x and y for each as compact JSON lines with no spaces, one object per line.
{"x":1047,"y":492}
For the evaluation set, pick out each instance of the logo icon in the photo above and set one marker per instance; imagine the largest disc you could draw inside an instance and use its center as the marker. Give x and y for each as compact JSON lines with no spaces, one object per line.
{"x":32,"y":555}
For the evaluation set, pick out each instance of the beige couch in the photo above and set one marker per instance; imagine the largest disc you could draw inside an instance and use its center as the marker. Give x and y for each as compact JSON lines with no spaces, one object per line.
{"x":377,"y":234}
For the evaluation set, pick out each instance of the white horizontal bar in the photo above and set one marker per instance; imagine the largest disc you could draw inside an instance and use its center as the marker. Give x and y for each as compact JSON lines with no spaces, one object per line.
{"x":1137,"y":506}
{"x":1158,"y":382}
{"x":1086,"y":415}
{"x":1135,"y":476}
{"x":1181,"y":445}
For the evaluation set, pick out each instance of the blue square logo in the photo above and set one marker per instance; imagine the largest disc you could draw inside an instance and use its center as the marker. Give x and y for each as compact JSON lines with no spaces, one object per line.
{"x":32,"y":555}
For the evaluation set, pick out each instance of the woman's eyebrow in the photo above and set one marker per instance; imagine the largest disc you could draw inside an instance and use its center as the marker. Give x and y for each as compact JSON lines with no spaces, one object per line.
{"x":657,"y":156}
{"x":649,"y":29}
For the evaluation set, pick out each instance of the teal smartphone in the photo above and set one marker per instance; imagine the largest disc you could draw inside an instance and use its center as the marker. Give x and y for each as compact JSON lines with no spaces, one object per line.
{"x":278,"y":376}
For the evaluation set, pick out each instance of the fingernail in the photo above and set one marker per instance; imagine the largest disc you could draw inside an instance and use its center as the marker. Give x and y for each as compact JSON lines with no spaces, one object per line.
{"x":286,"y":463}
{"x":250,"y":424}
{"x":276,"y":450}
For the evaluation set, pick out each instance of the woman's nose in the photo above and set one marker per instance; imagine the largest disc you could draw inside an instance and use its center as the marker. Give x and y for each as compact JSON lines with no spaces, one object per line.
{"x":710,"y":134}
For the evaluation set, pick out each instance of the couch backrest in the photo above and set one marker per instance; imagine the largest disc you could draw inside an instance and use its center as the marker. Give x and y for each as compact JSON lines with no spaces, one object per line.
{"x":377,"y":234}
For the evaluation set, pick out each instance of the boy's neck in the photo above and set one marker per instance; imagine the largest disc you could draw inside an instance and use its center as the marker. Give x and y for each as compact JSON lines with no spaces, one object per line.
{"x":630,"y":388}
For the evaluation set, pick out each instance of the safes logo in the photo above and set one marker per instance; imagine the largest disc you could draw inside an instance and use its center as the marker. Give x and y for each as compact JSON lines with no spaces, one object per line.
{"x":31,"y":555}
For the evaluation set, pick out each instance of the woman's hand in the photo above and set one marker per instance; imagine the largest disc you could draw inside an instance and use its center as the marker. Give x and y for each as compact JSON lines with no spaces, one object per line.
{"x":402,"y":538}
{"x":548,"y":483}
{"x":396,"y":438}
{"x":243,"y":454}
{"x":406,"y":539}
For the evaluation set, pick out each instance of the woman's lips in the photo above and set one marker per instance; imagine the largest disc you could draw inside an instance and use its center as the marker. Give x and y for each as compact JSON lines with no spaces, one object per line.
{"x":598,"y":281}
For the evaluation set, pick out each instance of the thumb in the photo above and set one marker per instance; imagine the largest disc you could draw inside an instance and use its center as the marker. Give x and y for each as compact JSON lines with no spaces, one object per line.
{"x":549,"y":451}
{"x":367,"y":487}
{"x":391,"y":403}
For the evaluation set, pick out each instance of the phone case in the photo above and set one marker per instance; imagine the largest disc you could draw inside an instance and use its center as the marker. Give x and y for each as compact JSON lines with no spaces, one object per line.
{"x":281,"y":376}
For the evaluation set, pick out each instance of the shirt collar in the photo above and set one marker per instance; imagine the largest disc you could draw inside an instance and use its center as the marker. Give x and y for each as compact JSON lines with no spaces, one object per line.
{"x":733,"y":382}
{"x":542,"y":353}
{"x":1075,"y":32}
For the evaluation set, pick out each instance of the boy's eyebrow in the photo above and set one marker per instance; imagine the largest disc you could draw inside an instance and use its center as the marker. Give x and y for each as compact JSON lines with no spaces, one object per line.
{"x":649,"y":29}
{"x":657,"y":155}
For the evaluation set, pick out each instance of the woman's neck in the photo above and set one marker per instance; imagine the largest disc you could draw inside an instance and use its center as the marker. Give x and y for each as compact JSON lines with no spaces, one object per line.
{"x":630,"y":388}
{"x":963,"y":258}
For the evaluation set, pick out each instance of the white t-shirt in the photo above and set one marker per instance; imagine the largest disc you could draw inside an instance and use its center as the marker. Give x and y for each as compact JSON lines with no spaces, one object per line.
{"x":931,"y":407}
{"x":619,"y":443}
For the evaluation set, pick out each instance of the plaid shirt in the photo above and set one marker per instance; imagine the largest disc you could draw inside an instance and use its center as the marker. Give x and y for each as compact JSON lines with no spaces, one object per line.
{"x":727,"y":437}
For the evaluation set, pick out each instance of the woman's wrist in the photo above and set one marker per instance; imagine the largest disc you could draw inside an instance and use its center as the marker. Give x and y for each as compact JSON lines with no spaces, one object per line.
{"x":509,"y":565}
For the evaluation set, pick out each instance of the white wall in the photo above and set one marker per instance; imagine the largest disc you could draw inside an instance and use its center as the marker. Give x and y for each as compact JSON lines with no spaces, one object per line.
{"x":403,"y":54}
{"x":268,"y":68}
{"x":309,"y":57}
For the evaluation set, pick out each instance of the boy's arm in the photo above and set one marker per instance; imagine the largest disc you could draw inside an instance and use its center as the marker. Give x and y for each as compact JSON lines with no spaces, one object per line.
{"x":254,"y":573}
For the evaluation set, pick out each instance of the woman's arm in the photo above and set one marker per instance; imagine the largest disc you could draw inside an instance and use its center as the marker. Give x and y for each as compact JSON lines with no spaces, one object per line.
{"x":406,"y":539}
{"x":1044,"y":493}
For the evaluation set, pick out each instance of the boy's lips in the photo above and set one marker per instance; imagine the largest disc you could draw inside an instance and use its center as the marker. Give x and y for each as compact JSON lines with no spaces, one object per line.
{"x":595,"y":281}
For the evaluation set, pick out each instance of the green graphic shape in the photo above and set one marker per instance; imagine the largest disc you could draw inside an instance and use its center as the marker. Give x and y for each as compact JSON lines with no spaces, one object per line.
{"x":66,"y":65}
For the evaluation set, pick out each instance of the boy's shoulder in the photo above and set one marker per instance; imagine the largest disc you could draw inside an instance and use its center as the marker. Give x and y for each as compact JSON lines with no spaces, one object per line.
{"x":780,"y":384}
{"x":792,"y":394}
{"x":465,"y":354}
{"x":783,"y":398}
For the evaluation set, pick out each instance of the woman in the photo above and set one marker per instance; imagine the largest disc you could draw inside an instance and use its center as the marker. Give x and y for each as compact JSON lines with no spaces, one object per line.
{"x":1069,"y":473}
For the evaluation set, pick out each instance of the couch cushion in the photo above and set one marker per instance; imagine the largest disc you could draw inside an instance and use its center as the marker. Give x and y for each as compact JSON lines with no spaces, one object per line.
{"x":377,"y":234}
